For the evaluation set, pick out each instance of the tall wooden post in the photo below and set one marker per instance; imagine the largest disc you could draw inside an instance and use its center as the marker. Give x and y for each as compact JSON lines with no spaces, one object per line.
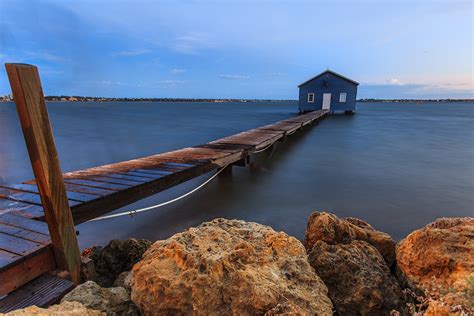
{"x":31,"y":107}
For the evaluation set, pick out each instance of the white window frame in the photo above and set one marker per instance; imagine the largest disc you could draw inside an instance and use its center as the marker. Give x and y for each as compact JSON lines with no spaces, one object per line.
{"x":312,"y":97}
{"x":343,"y":97}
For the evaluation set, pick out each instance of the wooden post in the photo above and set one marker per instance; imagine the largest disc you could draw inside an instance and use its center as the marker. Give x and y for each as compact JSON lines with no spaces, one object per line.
{"x":31,"y":107}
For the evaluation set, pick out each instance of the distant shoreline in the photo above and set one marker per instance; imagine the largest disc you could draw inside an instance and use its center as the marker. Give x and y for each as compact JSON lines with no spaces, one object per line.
{"x":102,"y":99}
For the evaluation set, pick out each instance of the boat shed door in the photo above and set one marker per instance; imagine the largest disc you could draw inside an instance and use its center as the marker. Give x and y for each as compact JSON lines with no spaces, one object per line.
{"x":326,"y":101}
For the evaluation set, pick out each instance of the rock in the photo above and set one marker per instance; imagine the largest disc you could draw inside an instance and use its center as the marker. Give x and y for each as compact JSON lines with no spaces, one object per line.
{"x":227,"y":267}
{"x":66,"y":308}
{"x":118,"y":256}
{"x":438,"y":260}
{"x":124,"y":280}
{"x":333,"y":230}
{"x":437,"y":308}
{"x":357,"y":277}
{"x":284,"y":309}
{"x":113,"y":301}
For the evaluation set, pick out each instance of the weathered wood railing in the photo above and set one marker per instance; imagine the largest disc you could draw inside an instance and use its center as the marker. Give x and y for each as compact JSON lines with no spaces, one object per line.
{"x":31,"y":106}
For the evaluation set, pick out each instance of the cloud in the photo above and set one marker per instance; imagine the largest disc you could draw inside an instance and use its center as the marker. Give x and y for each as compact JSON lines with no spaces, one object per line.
{"x":192,"y":42}
{"x":169,"y":82}
{"x":395,"y":81}
{"x":46,"y":56}
{"x":399,"y":90}
{"x":178,"y":71}
{"x":130,"y":53}
{"x":107,"y":83}
{"x":234,"y":77}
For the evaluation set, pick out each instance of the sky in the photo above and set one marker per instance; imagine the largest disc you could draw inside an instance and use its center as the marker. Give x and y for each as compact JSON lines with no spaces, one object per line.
{"x":240,"y":49}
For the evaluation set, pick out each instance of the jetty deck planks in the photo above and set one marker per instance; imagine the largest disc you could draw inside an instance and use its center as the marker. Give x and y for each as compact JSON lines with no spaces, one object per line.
{"x":25,"y":244}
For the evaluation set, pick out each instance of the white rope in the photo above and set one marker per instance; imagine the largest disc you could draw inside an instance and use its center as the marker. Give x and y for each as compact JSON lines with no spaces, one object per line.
{"x":259,"y":151}
{"x":134,"y":212}
{"x":131,"y":213}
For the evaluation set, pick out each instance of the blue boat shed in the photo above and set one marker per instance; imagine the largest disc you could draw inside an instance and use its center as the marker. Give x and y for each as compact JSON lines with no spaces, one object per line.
{"x":328,"y":90}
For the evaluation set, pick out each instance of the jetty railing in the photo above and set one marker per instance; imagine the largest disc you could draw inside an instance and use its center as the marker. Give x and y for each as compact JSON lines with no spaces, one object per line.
{"x":31,"y":107}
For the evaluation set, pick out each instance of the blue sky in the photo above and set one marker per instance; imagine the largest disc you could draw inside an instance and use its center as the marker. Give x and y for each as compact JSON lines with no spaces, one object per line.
{"x":241,"y":49}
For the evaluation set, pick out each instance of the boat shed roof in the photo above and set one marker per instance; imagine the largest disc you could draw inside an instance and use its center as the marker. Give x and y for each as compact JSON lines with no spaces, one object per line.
{"x":331,"y":72}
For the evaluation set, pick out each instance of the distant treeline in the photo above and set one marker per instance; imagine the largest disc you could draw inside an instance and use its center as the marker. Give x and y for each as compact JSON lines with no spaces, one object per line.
{"x":415,"y":100}
{"x":101,"y":99}
{"x":75,"y":98}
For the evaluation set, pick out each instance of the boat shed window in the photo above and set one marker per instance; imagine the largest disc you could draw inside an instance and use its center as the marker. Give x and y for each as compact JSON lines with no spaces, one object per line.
{"x":310,"y":97}
{"x":342,"y":97}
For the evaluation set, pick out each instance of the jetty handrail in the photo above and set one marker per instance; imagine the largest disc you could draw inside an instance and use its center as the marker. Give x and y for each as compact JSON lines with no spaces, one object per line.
{"x":31,"y":107}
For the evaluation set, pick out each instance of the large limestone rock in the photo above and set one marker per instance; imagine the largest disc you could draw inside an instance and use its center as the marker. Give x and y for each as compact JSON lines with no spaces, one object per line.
{"x":439,"y":261}
{"x":333,"y":230}
{"x":66,"y":309}
{"x":228,"y":267}
{"x":118,"y":256}
{"x":113,"y":301}
{"x":358,"y":278}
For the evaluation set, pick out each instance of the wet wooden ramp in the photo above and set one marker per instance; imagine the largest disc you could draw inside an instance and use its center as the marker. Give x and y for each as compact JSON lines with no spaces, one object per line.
{"x":25,"y":247}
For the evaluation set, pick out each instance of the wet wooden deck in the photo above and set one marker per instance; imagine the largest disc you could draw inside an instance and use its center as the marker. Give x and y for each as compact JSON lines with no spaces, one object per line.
{"x":25,"y":246}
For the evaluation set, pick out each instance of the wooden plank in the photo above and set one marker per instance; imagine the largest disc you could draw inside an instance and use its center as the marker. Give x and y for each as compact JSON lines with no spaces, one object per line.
{"x":87,"y":190}
{"x":19,"y":246}
{"x":257,"y":139}
{"x":144,"y":162}
{"x":26,"y":197}
{"x":25,"y":223}
{"x":72,"y":196}
{"x":128,"y":178}
{"x":129,"y":195}
{"x":25,"y":234}
{"x":96,"y":184}
{"x":10,"y":206}
{"x":158,"y":172}
{"x":142,"y":175}
{"x":14,"y":275}
{"x":178,"y":165}
{"x":115,"y":181}
{"x":228,"y":147}
{"x":7,"y":258}
{"x":43,"y":291}
{"x":19,"y":196}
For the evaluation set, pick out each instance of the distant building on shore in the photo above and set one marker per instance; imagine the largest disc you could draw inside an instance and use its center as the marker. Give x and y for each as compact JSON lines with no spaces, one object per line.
{"x":328,"y":90}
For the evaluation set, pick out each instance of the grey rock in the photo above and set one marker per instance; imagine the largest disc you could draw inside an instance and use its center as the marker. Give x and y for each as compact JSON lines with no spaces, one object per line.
{"x":124,"y":280}
{"x":113,"y":301}
{"x":358,"y":279}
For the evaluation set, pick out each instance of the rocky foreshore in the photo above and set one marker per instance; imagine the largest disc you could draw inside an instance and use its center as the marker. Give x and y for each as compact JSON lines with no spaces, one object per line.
{"x":232,"y":267}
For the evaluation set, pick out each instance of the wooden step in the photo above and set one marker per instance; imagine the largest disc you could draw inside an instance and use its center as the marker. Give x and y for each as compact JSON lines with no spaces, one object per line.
{"x":43,"y":291}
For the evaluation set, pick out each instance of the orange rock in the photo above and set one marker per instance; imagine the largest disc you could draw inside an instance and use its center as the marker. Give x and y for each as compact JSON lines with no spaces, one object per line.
{"x":333,"y":230}
{"x":439,"y":260}
{"x":437,"y":308}
{"x":227,"y":267}
{"x":63,"y":309}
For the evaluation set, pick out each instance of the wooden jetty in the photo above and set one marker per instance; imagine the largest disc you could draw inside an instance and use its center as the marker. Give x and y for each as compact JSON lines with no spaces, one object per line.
{"x":37,"y":217}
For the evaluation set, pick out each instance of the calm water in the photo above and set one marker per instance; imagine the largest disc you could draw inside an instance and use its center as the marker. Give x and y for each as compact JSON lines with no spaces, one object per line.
{"x":398,"y":166}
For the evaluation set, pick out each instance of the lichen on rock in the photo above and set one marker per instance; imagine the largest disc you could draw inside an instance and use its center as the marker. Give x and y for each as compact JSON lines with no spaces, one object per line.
{"x":334,"y":230}
{"x":438,"y":260}
{"x":227,"y":267}
{"x":63,"y":309}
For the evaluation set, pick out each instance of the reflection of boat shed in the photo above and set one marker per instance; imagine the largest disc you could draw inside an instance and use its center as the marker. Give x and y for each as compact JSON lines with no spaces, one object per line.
{"x":328,"y":90}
